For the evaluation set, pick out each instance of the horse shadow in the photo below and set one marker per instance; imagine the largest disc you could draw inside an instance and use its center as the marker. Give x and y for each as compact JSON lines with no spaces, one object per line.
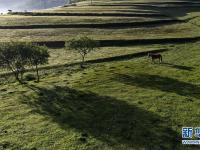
{"x":113,"y":121}
{"x":157,"y":82}
{"x":180,"y":67}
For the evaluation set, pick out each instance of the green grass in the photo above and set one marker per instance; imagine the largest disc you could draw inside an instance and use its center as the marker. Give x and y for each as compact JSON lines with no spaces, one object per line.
{"x":30,"y":20}
{"x":113,"y":104}
{"x":188,"y":29}
{"x":62,"y":56}
{"x":167,"y":9}
{"x":174,"y":30}
{"x":132,"y":104}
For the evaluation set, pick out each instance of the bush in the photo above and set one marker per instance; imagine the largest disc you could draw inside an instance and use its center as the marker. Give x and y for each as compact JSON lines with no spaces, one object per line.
{"x":30,"y":77}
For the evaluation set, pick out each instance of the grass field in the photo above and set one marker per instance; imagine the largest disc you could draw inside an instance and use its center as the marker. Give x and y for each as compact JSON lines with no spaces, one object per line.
{"x":29,"y":20}
{"x":119,"y":101}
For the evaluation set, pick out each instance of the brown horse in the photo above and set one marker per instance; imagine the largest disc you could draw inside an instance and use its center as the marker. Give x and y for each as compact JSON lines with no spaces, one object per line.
{"x":155,"y":56}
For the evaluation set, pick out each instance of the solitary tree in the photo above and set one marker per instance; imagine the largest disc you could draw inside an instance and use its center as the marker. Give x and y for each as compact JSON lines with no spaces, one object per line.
{"x":82,"y":45}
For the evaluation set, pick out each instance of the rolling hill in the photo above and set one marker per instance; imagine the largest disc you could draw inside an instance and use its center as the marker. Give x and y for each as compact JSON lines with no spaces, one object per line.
{"x":121,"y":100}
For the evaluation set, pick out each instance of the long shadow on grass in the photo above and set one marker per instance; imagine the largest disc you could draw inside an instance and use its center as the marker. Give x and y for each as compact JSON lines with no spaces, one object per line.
{"x":186,"y":68}
{"x":157,"y":82}
{"x":108,"y":119}
{"x":121,"y":43}
{"x":97,"y":25}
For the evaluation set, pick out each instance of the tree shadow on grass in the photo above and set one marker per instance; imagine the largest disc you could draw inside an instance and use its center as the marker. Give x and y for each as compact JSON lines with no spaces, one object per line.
{"x":4,"y":145}
{"x":110,"y":120}
{"x":157,"y":82}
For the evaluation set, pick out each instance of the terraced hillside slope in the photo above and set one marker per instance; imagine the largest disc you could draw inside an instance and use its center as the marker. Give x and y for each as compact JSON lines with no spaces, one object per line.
{"x":121,"y":100}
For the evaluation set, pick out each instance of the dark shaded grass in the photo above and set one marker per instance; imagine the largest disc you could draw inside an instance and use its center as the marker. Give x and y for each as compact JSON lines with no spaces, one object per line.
{"x":108,"y":119}
{"x":52,"y":44}
{"x":97,"y":25}
{"x":186,"y":68}
{"x":90,"y":14}
{"x":156,"y":4}
{"x":175,"y":11}
{"x":125,"y":57}
{"x":107,"y":43}
{"x":7,"y":145}
{"x":148,"y":41}
{"x":157,"y":82}
{"x":180,"y":2}
{"x":136,"y":11}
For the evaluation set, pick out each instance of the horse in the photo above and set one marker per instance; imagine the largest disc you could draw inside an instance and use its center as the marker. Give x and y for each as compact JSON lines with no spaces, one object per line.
{"x":155,"y":56}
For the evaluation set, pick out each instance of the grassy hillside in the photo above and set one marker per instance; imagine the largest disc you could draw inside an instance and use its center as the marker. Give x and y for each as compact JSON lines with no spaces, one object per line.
{"x":121,"y":100}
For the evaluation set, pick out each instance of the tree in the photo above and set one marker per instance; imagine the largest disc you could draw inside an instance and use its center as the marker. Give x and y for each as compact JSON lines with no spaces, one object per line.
{"x":13,"y":56}
{"x":17,"y":56}
{"x":82,"y":45}
{"x":38,"y":56}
